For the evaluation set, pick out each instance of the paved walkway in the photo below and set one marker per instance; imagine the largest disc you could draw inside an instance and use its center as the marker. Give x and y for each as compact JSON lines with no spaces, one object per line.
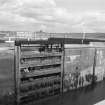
{"x":85,"y":96}
{"x":100,"y":103}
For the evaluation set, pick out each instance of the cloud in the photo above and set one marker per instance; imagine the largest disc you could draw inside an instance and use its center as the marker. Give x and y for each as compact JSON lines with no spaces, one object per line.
{"x":38,"y":3}
{"x":91,"y":22}
{"x":33,"y":15}
{"x":43,"y":13}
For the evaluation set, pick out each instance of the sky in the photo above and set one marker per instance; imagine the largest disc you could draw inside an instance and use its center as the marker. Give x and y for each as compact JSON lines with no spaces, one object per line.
{"x":53,"y":15}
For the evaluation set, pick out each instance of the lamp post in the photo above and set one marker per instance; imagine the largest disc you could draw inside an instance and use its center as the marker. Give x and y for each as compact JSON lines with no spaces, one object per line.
{"x":83,"y":28}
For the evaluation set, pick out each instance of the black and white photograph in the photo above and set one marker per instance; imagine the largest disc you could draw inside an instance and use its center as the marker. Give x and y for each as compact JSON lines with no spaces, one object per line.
{"x":52,"y":52}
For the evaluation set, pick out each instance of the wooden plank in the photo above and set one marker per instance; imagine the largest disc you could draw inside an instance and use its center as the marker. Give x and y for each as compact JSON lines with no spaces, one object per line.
{"x":39,"y":64}
{"x":42,"y":80}
{"x":38,"y":90}
{"x":39,"y":73}
{"x":30,"y":55}
{"x":17,"y":65}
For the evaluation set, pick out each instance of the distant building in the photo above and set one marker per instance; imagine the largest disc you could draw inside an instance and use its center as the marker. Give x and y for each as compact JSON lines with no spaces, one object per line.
{"x":3,"y":35}
{"x":25,"y":35}
{"x":13,"y":35}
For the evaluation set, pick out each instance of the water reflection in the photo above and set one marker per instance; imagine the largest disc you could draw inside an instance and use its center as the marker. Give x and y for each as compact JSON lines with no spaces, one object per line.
{"x":6,"y":71}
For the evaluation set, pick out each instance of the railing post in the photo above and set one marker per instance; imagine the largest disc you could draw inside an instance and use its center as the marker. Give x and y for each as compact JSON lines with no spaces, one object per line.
{"x":94,"y":66}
